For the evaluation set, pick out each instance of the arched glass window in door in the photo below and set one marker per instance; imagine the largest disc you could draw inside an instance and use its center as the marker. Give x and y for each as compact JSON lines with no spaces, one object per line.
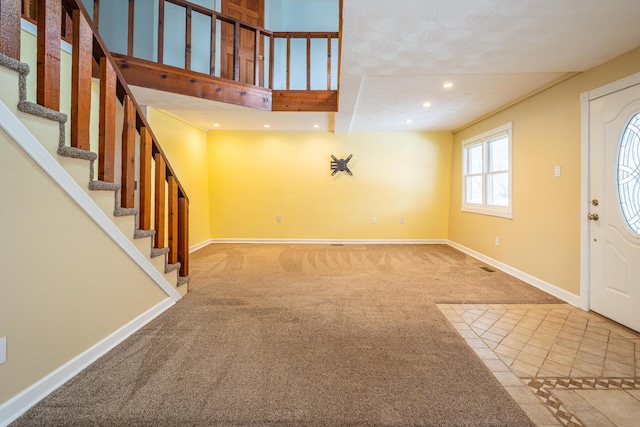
{"x":629,"y":174}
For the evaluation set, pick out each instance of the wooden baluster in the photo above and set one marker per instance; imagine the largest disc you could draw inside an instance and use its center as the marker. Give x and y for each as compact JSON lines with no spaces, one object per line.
{"x":183,"y":236}
{"x":107,"y":126}
{"x":256,"y":59}
{"x":187,"y":47}
{"x":130,"y":28}
{"x":96,"y":12}
{"x":127,"y":193}
{"x":329,"y":62}
{"x":48,"y":56}
{"x":161,"y":31}
{"x":308,"y":61}
{"x":212,"y":59}
{"x":160,"y":200}
{"x":173,"y":219}
{"x":236,"y":51}
{"x":82,"y":66}
{"x":10,"y":28}
{"x":66,"y":29}
{"x":146,"y":146}
{"x":288,"y":62}
{"x":271,"y":61}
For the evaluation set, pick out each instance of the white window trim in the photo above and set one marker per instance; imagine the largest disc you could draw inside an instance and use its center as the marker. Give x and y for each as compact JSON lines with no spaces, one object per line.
{"x":484,"y":208}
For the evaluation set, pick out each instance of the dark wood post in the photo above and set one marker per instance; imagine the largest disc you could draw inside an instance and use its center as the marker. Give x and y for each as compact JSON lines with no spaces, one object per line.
{"x":107,"y":126}
{"x":10,"y":28}
{"x":82,"y":69}
{"x":160,"y":201}
{"x":183,"y":236}
{"x":173,"y":220}
{"x":146,"y":146}
{"x":127,"y":194}
{"x":49,"y":34}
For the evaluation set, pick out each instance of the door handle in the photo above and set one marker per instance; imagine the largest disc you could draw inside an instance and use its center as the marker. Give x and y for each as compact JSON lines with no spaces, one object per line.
{"x":593,"y":217}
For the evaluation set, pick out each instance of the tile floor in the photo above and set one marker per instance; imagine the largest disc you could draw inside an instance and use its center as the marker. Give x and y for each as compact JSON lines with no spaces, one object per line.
{"x":564,"y":366}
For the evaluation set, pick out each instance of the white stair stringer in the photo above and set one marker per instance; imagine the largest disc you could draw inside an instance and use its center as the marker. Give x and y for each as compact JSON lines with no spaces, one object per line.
{"x":104,"y":197}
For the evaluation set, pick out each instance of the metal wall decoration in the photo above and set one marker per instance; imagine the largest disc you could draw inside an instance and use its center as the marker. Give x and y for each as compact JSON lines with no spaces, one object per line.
{"x":340,"y":165}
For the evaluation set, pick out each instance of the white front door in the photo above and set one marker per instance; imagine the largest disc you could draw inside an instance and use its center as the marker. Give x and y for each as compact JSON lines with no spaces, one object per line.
{"x":614,"y":206}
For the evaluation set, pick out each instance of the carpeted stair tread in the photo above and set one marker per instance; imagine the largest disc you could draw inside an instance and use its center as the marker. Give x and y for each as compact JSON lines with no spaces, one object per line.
{"x":125,"y":211}
{"x":103,"y":186}
{"x":40,"y":111}
{"x":156,"y":252}
{"x":182,"y":280}
{"x":141,"y":234}
{"x":77,"y":153}
{"x":168,"y":268}
{"x":14,"y":64}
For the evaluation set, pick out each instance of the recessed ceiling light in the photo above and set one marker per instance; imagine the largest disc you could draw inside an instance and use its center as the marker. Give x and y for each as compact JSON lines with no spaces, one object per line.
{"x":408,"y":121}
{"x":426,"y":104}
{"x":447,"y":85}
{"x":316,"y":126}
{"x":216,"y":125}
{"x":267,"y":126}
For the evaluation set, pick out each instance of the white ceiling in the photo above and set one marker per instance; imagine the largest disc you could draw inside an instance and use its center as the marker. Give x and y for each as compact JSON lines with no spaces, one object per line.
{"x":397,"y":55}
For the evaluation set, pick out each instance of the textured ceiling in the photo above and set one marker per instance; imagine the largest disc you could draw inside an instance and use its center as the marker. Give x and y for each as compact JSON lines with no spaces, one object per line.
{"x":397,"y":55}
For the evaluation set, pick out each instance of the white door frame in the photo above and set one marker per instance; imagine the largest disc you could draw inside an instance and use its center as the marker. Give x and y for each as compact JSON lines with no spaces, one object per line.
{"x":585,"y":235}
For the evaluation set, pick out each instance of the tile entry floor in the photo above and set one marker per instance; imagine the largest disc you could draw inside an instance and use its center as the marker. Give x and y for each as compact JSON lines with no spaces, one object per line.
{"x":564,"y":366}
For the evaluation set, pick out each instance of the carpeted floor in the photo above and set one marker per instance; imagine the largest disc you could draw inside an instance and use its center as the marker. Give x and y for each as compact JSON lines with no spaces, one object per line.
{"x":303,"y":335}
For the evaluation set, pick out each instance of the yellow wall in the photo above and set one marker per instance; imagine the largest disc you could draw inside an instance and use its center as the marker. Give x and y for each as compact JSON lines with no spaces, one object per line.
{"x":64,"y":284}
{"x":543,"y":238}
{"x":255,"y":176}
{"x":186,"y":149}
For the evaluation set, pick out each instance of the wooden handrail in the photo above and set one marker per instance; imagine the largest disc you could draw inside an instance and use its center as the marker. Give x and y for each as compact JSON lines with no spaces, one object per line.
{"x":89,"y":51}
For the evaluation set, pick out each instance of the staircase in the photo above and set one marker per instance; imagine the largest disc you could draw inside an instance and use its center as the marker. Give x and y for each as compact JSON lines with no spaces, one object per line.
{"x":126,"y":198}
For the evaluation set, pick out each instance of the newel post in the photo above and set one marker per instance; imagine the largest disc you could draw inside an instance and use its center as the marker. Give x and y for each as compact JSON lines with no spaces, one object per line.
{"x":10,"y":28}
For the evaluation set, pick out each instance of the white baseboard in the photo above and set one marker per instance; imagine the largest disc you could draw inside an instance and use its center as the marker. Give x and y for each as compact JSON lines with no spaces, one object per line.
{"x":19,"y":404}
{"x":322,"y":242}
{"x":525,"y":277}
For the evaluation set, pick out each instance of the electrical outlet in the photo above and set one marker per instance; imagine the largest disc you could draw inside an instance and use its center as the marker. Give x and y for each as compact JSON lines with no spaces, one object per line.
{"x":278,"y":218}
{"x":3,"y":349}
{"x":375,"y":219}
{"x":497,"y":241}
{"x":401,"y":220}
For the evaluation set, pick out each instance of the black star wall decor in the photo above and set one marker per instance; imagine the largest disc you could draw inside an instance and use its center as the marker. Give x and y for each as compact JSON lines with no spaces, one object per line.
{"x":340,"y":165}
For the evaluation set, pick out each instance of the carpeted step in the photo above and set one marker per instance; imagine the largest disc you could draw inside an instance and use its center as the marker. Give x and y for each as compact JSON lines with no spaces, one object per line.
{"x":141,"y":234}
{"x":125,"y":211}
{"x":103,"y":186}
{"x":168,"y":268}
{"x":182,"y":280}
{"x":77,"y":153}
{"x":156,"y":252}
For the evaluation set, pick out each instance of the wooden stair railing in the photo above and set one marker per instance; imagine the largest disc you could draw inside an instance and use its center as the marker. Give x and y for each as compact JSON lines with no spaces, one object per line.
{"x":90,"y":57}
{"x":249,"y":78}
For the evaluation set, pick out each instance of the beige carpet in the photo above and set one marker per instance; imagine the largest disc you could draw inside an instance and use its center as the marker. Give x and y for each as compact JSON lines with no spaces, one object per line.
{"x":303,"y":335}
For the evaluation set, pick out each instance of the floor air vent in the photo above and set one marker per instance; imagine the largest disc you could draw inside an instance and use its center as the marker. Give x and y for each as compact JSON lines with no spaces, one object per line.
{"x":488,"y":269}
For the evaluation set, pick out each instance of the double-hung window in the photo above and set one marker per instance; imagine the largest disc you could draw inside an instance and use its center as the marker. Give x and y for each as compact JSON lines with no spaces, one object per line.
{"x":486,"y":169}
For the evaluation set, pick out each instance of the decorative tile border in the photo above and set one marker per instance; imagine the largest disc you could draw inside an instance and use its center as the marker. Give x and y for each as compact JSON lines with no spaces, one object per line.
{"x":542,"y":387}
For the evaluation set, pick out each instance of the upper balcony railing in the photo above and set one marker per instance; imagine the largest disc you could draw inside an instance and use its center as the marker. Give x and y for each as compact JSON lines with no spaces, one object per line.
{"x":193,"y":38}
